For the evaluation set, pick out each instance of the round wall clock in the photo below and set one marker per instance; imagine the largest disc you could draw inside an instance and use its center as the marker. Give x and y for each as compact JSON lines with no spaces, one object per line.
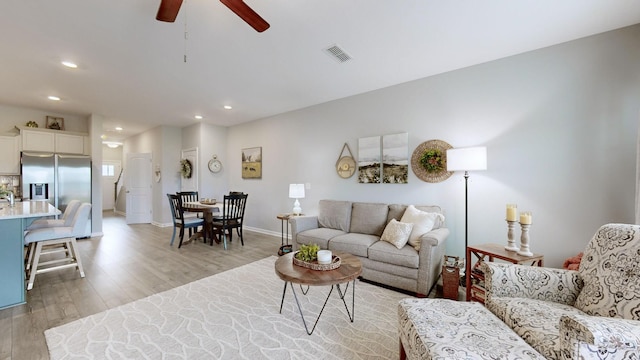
{"x":215,"y":165}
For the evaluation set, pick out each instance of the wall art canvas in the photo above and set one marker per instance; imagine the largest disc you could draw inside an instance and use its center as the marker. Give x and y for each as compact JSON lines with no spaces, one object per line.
{"x":369,"y":160}
{"x":252,"y":163}
{"x":395,"y":158}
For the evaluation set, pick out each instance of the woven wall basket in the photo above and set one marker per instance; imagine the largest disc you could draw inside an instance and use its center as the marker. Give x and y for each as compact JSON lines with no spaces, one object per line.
{"x":421,"y":172}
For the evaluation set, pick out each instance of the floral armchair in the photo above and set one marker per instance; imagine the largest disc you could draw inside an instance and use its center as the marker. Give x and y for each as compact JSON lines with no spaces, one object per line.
{"x":592,"y":313}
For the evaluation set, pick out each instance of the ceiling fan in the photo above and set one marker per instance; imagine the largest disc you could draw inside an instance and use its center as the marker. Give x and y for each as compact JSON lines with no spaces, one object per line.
{"x":168,"y":12}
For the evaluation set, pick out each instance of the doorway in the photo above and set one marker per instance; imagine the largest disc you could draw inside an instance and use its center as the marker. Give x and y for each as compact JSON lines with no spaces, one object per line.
{"x":110,"y":173}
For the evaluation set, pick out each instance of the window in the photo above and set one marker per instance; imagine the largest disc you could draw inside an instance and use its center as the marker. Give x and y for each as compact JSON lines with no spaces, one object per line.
{"x":108,"y":170}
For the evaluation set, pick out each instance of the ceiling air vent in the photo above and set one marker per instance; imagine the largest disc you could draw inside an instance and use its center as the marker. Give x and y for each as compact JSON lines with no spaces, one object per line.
{"x":337,"y":54}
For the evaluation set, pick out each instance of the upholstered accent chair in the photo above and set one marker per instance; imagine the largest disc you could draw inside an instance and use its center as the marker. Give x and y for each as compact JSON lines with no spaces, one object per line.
{"x":591,"y":313}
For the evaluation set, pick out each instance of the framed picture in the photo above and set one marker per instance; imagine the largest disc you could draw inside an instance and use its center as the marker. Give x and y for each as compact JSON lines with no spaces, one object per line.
{"x":369,"y":160}
{"x":252,"y":163}
{"x":395,"y":158}
{"x":55,"y":123}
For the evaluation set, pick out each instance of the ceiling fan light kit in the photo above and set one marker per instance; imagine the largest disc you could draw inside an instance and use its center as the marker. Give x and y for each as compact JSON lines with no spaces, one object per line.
{"x":169,"y":9}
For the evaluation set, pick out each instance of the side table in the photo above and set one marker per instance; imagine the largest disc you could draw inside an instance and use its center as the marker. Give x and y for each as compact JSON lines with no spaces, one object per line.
{"x":284,"y":223}
{"x":490,"y":252}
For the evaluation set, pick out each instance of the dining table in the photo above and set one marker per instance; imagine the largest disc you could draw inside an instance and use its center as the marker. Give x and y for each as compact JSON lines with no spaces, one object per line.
{"x":208,"y":209}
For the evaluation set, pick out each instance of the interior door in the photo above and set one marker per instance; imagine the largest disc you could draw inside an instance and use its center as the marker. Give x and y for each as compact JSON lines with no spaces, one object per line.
{"x":138,"y":191}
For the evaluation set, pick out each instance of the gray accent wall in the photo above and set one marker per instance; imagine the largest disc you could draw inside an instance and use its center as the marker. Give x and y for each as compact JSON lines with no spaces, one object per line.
{"x":560,"y":125}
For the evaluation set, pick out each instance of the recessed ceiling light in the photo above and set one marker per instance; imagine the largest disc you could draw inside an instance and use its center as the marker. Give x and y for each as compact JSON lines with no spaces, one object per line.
{"x":228,"y":107}
{"x":118,"y":128}
{"x":198,"y":117}
{"x":54,"y":98}
{"x":69,"y":64}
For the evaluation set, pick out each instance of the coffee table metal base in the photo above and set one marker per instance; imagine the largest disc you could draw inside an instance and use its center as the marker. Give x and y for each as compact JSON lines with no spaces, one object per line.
{"x":341,"y":293}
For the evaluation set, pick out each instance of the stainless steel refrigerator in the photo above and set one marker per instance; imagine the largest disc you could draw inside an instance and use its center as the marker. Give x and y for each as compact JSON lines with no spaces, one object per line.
{"x":68,"y":177}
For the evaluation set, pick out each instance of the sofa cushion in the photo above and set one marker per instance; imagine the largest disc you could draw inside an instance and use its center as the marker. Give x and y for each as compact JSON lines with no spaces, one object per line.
{"x":422,"y":221}
{"x":397,"y":210}
{"x":397,"y":233}
{"x":368,"y":218}
{"x":611,"y":274}
{"x":536,"y":321}
{"x":319,"y":236}
{"x":353,"y":243}
{"x":334,"y":214}
{"x":385,"y":252}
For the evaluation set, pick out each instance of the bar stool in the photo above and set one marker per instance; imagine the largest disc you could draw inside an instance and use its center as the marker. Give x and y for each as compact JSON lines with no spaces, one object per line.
{"x":55,"y":239}
{"x":65,"y":220}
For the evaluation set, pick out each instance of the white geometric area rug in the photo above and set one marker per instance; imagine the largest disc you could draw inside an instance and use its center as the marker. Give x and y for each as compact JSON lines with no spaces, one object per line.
{"x":235,"y":315}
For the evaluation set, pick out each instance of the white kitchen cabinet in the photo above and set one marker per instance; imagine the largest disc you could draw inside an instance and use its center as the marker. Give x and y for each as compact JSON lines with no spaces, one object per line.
{"x":10,"y":152}
{"x":34,"y":140}
{"x":69,"y":144}
{"x":56,"y":141}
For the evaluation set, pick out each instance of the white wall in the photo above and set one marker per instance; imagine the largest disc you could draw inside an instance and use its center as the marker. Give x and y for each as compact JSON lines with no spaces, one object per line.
{"x":11,"y":116}
{"x":210,"y":140}
{"x":560,"y":125}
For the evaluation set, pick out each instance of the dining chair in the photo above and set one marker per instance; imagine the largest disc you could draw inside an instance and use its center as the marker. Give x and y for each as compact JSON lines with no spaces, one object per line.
{"x":233,"y":207}
{"x":56,"y":239}
{"x":65,"y":220}
{"x":179,"y":221}
{"x":189,"y":196}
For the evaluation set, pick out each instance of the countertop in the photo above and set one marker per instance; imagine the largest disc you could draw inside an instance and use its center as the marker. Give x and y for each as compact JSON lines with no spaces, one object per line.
{"x":27,"y":209}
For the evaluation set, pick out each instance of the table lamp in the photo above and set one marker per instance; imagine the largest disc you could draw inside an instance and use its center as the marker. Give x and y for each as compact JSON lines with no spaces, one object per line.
{"x":296,"y":191}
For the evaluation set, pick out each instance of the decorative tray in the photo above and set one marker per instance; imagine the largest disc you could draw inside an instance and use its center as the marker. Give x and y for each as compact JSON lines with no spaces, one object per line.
{"x":208,"y":202}
{"x":335,"y":263}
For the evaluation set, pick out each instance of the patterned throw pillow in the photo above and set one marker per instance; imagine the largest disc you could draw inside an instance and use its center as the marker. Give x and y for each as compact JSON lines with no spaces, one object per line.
{"x":610,"y":269}
{"x":397,"y":233}
{"x":422,"y":222}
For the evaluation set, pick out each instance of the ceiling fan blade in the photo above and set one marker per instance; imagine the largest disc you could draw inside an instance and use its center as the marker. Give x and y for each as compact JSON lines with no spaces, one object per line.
{"x":247,"y":14}
{"x":168,"y":10}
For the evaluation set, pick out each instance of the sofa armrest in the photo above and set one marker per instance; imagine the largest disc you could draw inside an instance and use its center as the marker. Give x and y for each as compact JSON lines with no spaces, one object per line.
{"x":596,"y":337}
{"x":300,"y":224}
{"x":532,"y":282}
{"x":431,"y":255}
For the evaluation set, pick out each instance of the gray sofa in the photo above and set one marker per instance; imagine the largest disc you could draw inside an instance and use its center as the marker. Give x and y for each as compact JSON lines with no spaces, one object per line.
{"x":356,"y":227}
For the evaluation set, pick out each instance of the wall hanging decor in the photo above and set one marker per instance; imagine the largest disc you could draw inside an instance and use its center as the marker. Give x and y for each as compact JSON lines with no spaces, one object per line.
{"x":214,"y":164}
{"x":369,"y":160}
{"x":395,"y":158}
{"x":346,"y":164}
{"x":429,"y":161}
{"x":185,"y":168}
{"x":252,"y":163}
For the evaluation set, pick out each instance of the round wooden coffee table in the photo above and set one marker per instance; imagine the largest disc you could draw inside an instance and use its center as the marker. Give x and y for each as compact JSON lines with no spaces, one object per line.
{"x":349,"y":270}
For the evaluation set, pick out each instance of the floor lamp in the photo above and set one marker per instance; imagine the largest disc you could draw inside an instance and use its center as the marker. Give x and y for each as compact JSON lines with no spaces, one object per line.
{"x":466,"y":159}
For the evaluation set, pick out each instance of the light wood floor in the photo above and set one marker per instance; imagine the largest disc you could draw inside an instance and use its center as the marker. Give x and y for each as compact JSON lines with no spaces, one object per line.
{"x":126,"y":264}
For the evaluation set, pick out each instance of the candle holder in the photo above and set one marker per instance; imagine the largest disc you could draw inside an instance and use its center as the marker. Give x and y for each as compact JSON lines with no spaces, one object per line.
{"x":511,"y":243}
{"x":524,"y":240}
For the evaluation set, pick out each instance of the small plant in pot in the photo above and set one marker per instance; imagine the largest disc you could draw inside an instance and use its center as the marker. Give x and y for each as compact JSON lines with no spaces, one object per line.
{"x":307,"y":253}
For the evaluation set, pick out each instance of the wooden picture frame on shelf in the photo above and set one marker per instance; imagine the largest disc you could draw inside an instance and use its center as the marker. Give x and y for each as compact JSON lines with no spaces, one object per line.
{"x":55,"y":123}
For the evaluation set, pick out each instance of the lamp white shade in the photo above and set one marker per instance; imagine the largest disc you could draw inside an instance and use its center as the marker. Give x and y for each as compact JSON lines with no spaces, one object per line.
{"x":466,"y":159}
{"x":296,"y":191}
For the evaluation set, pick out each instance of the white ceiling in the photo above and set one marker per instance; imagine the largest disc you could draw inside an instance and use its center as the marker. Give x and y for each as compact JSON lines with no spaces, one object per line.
{"x":132,"y":69}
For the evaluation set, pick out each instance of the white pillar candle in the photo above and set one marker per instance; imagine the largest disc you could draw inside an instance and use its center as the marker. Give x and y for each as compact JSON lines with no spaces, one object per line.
{"x":512,"y":212}
{"x":525,"y":218}
{"x":324,"y":257}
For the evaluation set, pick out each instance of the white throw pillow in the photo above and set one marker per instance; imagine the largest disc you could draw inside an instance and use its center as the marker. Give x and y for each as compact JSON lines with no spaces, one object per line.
{"x":397,"y":233}
{"x":422,"y":222}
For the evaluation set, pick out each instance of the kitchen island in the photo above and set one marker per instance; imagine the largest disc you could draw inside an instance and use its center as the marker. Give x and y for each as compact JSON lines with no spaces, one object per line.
{"x":13,"y":221}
